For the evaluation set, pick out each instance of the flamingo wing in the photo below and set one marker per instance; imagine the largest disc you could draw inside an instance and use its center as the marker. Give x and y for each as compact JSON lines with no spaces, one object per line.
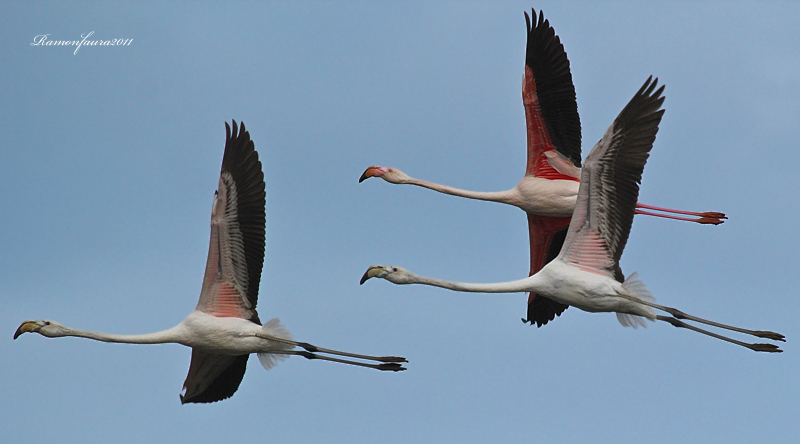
{"x":551,"y":110}
{"x":236,"y":250}
{"x":213,"y":377}
{"x":609,"y":188}
{"x":554,"y":144}
{"x":233,"y":267}
{"x":546,"y":236}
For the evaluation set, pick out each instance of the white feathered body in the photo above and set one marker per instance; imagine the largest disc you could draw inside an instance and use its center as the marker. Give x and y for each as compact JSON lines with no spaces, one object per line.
{"x":592,"y":291}
{"x":230,"y":335}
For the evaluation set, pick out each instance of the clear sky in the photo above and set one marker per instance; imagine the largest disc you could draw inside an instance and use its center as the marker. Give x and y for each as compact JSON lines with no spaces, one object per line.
{"x":109,"y":159}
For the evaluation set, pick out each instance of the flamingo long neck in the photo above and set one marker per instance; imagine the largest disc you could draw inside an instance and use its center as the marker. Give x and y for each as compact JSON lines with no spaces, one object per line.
{"x":172,"y":335}
{"x":522,"y":285}
{"x":492,"y":196}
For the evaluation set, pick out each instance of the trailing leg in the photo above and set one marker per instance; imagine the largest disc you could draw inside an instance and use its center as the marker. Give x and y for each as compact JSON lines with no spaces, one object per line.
{"x":755,"y":347}
{"x":314,"y":348}
{"x":707,"y":217}
{"x":681,"y":315}
{"x":391,"y":366}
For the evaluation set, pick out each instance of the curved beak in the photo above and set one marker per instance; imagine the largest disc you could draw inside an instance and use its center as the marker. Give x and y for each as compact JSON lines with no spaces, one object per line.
{"x":27,"y":327}
{"x":373,"y":171}
{"x":371,"y":272}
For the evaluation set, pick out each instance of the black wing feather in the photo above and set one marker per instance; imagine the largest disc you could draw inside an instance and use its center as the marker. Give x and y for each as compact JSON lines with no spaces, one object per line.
{"x":545,"y":56}
{"x":611,"y":176}
{"x":542,"y":310}
{"x":241,"y":161}
{"x":633,"y":133}
{"x":225,"y":373}
{"x":215,"y":377}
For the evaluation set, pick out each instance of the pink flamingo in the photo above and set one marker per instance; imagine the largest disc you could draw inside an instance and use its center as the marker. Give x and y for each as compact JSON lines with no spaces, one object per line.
{"x":586,"y":271}
{"x":549,"y":189}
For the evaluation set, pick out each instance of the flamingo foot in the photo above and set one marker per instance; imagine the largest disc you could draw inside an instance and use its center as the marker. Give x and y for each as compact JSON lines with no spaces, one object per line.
{"x":770,"y":335}
{"x":395,"y":367}
{"x":770,"y":348}
{"x":709,"y":221}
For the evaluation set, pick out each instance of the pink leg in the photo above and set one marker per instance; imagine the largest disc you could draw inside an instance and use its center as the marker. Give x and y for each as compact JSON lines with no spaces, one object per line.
{"x":709,"y":217}
{"x":702,"y":220}
{"x":711,"y":214}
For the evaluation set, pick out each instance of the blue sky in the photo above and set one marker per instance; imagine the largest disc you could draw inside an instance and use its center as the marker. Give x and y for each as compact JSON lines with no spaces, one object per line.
{"x":109,"y":159}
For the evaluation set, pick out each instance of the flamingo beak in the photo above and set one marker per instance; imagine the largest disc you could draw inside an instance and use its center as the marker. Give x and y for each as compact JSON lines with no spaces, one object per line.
{"x":373,"y":171}
{"x":27,"y":327}
{"x":373,"y":271}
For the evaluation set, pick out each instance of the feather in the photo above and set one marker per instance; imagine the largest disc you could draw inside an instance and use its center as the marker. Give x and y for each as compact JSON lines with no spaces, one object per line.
{"x":638,"y":289}
{"x":274,"y":328}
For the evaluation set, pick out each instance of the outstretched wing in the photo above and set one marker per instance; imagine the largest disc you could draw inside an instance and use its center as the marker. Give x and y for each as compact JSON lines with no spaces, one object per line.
{"x":236,"y":250}
{"x":213,"y":377}
{"x":551,"y":111}
{"x":554,"y":137}
{"x":610,"y":182}
{"x":233,"y":267}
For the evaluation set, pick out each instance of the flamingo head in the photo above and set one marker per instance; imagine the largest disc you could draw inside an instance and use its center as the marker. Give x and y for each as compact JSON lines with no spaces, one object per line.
{"x":391,"y":175}
{"x":395,"y":275}
{"x":51,"y":329}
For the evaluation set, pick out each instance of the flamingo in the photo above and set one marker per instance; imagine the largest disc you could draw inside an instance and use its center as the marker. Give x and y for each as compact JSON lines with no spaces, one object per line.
{"x":549,"y":189}
{"x":586,"y":272}
{"x":224,"y":328}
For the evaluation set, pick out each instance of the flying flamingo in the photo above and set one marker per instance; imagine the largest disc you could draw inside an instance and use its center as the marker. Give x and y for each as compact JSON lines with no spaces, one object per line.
{"x":549,"y":189}
{"x":586,"y":272}
{"x":224,"y":327}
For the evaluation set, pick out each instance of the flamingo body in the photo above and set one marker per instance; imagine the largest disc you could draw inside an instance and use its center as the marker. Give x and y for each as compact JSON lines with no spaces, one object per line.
{"x":587,"y":290}
{"x":224,"y":335}
{"x":586,"y":272}
{"x":546,"y":197}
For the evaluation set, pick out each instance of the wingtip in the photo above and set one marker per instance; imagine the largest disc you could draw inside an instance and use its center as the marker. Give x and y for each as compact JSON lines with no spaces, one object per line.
{"x":650,"y":86}
{"x":538,"y":20}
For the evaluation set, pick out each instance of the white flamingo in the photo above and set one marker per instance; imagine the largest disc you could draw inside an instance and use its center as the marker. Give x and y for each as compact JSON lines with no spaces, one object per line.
{"x":586,"y":273}
{"x":224,"y":329}
{"x":549,"y":189}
